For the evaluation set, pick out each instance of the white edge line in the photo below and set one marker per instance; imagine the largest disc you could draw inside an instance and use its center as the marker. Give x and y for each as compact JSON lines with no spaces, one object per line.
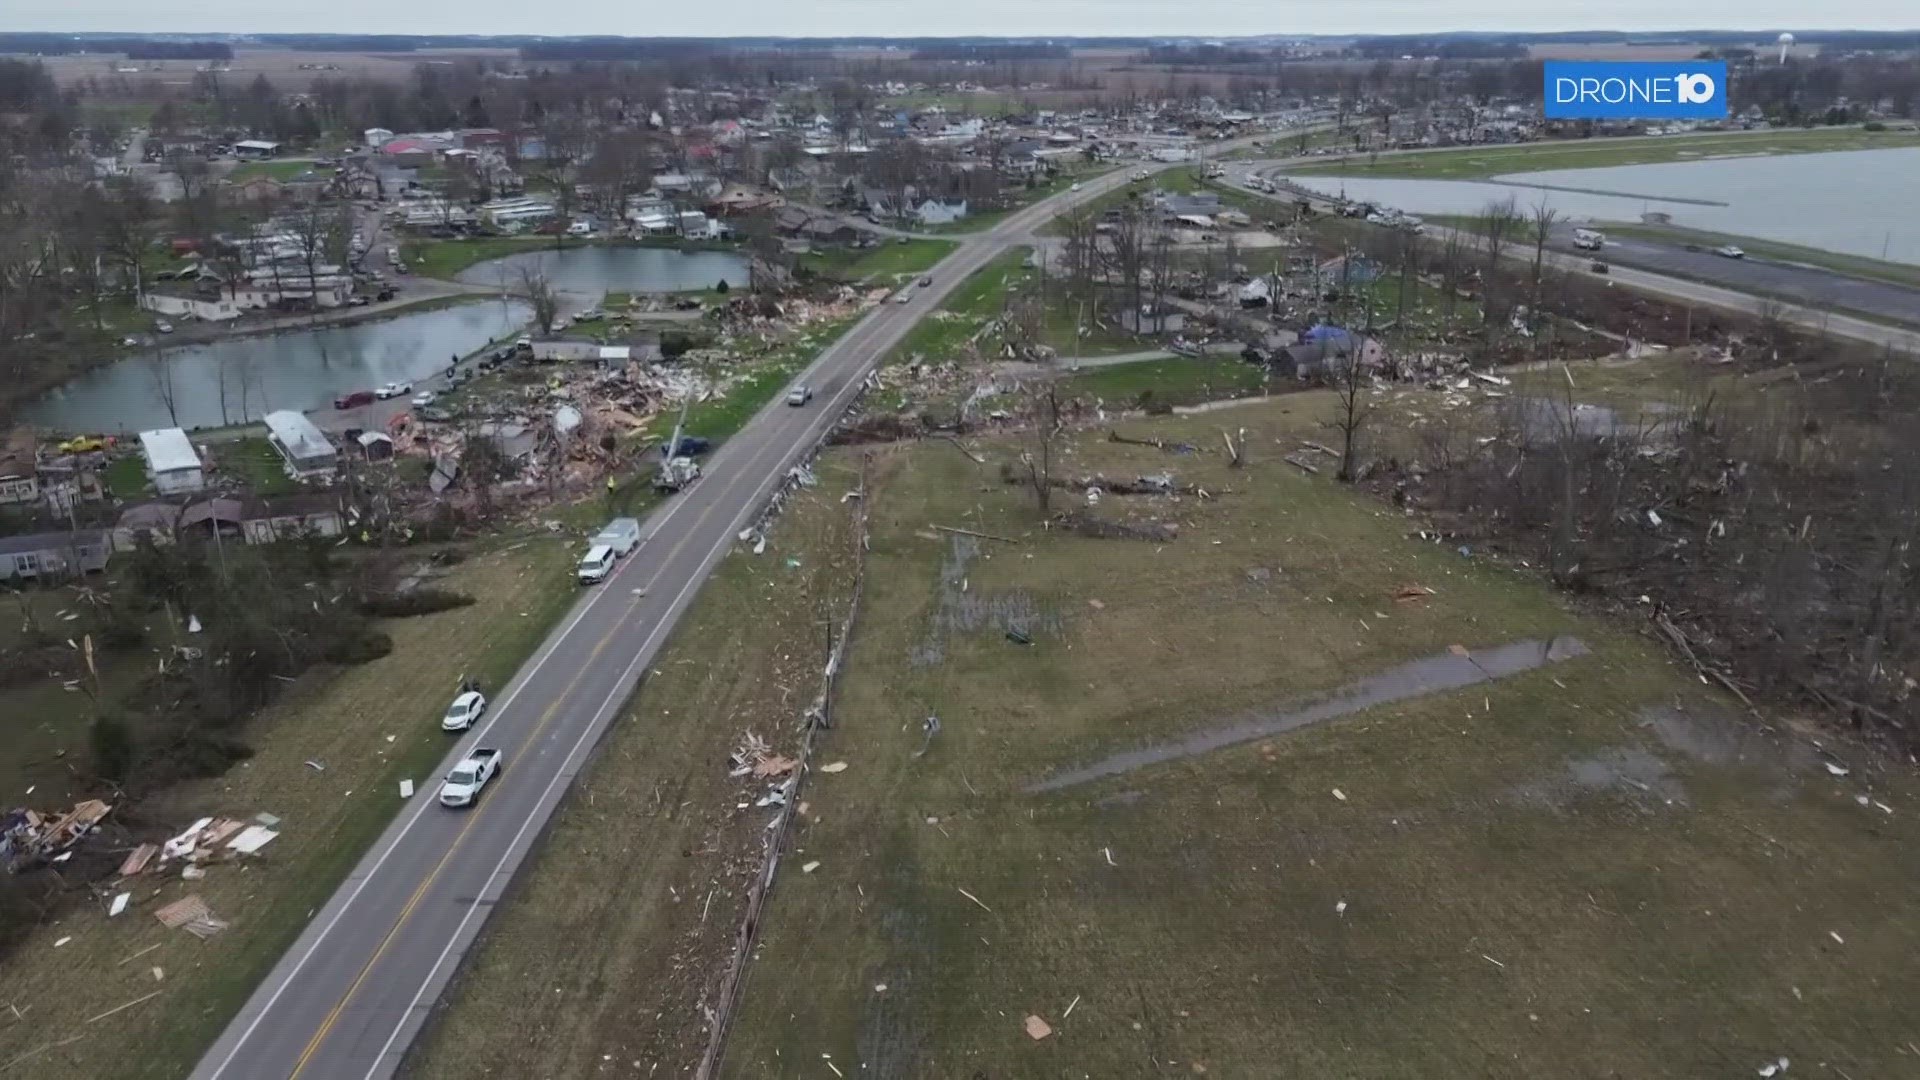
{"x":841,"y":402}
{"x":421,"y":807}
{"x":567,"y":765}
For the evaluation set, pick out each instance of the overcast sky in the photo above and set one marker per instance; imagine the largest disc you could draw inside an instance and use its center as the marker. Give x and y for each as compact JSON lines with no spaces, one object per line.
{"x":899,"y":18}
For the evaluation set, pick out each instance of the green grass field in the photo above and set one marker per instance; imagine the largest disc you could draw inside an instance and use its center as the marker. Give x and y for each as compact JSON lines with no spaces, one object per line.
{"x":282,"y":171}
{"x":890,"y":261}
{"x":1178,"y":380}
{"x":1474,"y":163}
{"x":1592,"y":869}
{"x":446,"y":258}
{"x":982,"y":297}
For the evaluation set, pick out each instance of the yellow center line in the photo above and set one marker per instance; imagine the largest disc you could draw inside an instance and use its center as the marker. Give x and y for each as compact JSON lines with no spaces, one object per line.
{"x":419,"y":893}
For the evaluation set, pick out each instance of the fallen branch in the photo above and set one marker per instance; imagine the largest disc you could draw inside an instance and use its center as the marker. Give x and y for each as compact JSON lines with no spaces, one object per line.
{"x":971,"y":456}
{"x":970,"y":532}
{"x":1304,"y":466}
{"x":128,"y":1005}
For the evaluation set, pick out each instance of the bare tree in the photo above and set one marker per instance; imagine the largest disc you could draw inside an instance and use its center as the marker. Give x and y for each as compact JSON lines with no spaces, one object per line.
{"x":1039,"y":460}
{"x":1351,"y":387}
{"x":1496,"y":223}
{"x":1542,"y":221}
{"x":540,"y":293}
{"x":128,"y":227}
{"x":160,"y":369}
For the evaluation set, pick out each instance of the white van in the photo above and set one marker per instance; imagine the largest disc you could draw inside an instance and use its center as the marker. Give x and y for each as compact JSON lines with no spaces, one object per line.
{"x":597,"y":564}
{"x":621,"y":534}
{"x":1589,"y":239}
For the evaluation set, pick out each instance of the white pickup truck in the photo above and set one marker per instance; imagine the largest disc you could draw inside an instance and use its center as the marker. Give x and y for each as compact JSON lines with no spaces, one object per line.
{"x":463,"y":784}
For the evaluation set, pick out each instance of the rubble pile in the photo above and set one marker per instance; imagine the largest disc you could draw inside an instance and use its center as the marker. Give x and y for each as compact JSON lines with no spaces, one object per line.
{"x":29,"y":839}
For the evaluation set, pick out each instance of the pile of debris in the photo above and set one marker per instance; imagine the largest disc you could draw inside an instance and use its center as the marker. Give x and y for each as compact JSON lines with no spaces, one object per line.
{"x":754,"y":758}
{"x":207,"y":841}
{"x":29,"y":839}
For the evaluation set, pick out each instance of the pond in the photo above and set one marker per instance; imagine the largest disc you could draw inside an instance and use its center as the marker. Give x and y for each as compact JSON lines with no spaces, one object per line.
{"x":603,"y":268}
{"x":238,"y":379}
{"x":1854,"y":203}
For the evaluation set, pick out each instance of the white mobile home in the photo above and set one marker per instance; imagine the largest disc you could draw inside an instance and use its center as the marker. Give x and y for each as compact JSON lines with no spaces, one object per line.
{"x":302,"y":446}
{"x":172,"y":462}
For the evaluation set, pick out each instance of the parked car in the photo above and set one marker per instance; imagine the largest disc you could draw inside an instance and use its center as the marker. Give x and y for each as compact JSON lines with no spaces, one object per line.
{"x":164,"y":327}
{"x":1597,"y":267}
{"x":903,"y":297}
{"x":596,"y":565}
{"x":422,"y":399}
{"x":393,"y":390}
{"x":925,"y":281}
{"x":463,"y":784}
{"x":353,"y":400}
{"x":1730,"y":252}
{"x":799,"y":395}
{"x":1075,"y":186}
{"x":464,"y":711}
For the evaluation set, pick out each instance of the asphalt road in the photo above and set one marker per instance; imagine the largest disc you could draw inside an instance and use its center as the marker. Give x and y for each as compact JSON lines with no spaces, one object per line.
{"x":350,"y":996}
{"x":1722,"y":290}
{"x":1794,"y":282}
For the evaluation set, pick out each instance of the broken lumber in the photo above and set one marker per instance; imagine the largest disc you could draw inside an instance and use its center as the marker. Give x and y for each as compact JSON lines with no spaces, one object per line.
{"x":1303,"y":465}
{"x":970,"y":532}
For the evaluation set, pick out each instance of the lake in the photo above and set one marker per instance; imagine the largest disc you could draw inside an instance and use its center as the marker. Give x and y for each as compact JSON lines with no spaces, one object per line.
{"x":1855,"y":203}
{"x":296,"y":369}
{"x":599,"y":268}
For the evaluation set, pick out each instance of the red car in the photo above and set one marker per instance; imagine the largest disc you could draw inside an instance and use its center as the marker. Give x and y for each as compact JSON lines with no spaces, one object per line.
{"x":353,"y":400}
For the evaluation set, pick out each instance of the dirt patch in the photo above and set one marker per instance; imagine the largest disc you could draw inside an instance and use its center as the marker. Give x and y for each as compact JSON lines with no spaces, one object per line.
{"x":1714,"y":737}
{"x":1435,"y":674}
{"x":1629,"y":771}
{"x":964,"y":610}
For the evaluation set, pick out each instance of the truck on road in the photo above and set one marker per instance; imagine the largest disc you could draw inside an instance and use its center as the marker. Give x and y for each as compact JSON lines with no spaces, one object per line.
{"x":463,"y":784}
{"x":1589,"y":239}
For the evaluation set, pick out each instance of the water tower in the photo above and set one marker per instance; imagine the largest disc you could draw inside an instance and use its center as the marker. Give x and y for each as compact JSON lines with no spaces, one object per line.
{"x":1786,"y":46}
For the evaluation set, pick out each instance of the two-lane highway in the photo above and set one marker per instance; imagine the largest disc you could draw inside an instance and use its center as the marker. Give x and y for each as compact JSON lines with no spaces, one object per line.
{"x":350,"y":996}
